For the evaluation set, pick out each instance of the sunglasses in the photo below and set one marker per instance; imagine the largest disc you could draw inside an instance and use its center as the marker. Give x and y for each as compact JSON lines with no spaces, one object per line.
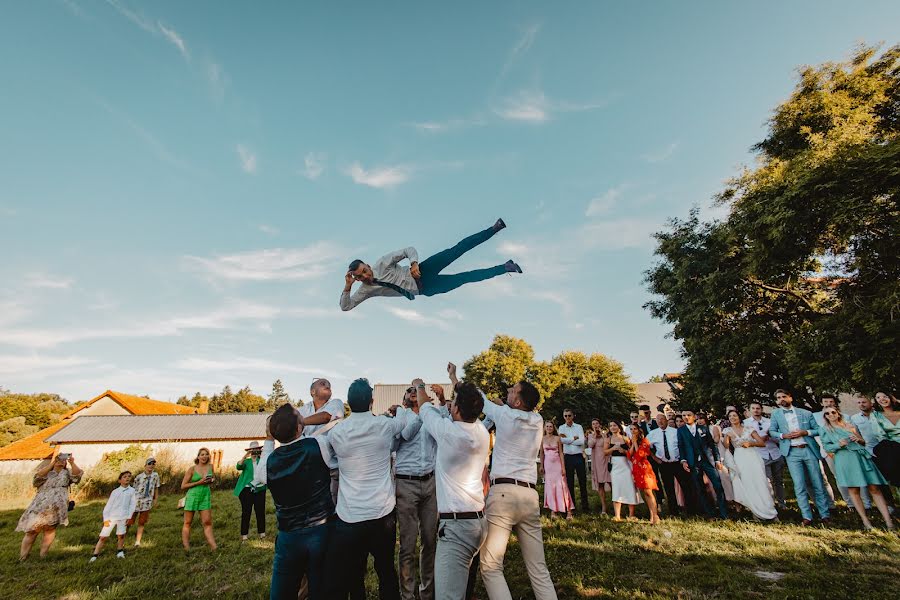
{"x":830,"y":412}
{"x":410,"y":390}
{"x":152,"y":462}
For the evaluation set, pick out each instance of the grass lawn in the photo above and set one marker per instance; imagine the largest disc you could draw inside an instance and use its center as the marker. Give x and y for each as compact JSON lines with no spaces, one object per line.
{"x":590,"y":557}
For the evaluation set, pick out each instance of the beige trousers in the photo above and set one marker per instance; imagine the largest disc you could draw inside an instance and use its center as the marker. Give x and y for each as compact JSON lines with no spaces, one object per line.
{"x":511,"y":508}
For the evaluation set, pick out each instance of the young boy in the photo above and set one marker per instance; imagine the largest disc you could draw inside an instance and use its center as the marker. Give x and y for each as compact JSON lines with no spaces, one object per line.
{"x":118,"y":509}
{"x":146,"y":487}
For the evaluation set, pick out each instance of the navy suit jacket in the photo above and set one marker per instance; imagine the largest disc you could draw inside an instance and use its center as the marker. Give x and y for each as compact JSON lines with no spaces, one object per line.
{"x":693,"y":448}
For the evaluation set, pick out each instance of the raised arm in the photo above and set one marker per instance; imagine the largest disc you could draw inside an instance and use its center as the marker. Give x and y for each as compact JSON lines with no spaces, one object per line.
{"x":397,"y":255}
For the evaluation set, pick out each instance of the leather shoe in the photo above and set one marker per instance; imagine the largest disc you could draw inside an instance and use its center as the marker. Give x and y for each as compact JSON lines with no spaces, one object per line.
{"x":500,"y":224}
{"x":512,"y":267}
{"x":806,"y":523}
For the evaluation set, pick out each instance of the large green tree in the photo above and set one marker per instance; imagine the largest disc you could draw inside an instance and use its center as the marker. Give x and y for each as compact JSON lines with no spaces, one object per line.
{"x":228,"y":401}
{"x":594,"y":383}
{"x":800,"y":285}
{"x":277,"y":397}
{"x":23,"y":414}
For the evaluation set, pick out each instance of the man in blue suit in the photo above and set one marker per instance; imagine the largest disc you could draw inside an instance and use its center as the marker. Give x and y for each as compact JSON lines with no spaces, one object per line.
{"x":796,"y":431}
{"x":699,"y":455}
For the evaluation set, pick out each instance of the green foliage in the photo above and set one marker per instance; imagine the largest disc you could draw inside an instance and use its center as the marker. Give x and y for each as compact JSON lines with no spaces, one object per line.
{"x":277,"y":397}
{"x":227,"y":401}
{"x":596,"y":382}
{"x":23,"y":414}
{"x":799,"y":286}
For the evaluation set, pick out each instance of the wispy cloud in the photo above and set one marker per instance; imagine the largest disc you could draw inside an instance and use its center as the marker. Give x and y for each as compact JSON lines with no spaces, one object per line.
{"x":150,"y":140}
{"x":274,"y":264}
{"x":661,"y":154}
{"x":533,"y":106}
{"x":449,"y":124}
{"x":605,"y":202}
{"x":380,"y":177}
{"x":247,"y":158}
{"x":451,"y":315}
{"x":217,"y":79}
{"x":313,"y":165}
{"x":559,"y":298}
{"x":247,"y":364}
{"x":154,"y":27}
{"x":414,"y":316}
{"x":74,"y":8}
{"x":42,"y":280}
{"x":618,"y":234}
{"x":526,"y":38}
{"x":21,"y":365}
{"x":268,"y":229}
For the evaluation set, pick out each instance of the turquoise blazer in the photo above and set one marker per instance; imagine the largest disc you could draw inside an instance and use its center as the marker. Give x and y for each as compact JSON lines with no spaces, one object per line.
{"x":805,"y":420}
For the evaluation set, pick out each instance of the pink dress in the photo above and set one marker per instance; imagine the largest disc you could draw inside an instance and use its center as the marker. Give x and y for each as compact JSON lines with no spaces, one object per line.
{"x":599,"y":463}
{"x":556,"y":493}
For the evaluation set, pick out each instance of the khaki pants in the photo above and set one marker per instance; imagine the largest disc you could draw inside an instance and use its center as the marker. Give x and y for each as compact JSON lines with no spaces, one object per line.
{"x":417,"y":517}
{"x":512,"y":508}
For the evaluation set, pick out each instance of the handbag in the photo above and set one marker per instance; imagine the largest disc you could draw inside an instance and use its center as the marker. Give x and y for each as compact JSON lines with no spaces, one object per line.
{"x":609,"y":466}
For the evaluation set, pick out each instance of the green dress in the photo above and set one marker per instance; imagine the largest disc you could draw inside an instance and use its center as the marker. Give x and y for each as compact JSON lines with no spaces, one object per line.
{"x":853,"y":465}
{"x":198,"y":497}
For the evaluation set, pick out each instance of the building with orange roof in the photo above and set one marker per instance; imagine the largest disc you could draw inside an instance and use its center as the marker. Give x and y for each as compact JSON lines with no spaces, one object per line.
{"x":24,"y":455}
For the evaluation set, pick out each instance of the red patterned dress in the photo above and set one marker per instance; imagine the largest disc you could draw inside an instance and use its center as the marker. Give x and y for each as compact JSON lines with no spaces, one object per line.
{"x":644,"y":479}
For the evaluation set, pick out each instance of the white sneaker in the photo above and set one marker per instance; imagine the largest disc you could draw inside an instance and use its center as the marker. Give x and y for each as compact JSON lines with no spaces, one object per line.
{"x":93,"y":558}
{"x":120,"y":554}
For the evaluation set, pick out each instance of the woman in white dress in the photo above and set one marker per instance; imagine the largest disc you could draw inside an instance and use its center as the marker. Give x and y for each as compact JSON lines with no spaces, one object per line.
{"x":748,"y":473}
{"x":623,"y":490}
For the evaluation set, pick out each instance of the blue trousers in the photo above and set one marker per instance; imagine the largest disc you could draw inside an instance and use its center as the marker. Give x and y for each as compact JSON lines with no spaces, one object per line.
{"x":805,"y":470}
{"x":298,"y":553}
{"x":433,"y":282}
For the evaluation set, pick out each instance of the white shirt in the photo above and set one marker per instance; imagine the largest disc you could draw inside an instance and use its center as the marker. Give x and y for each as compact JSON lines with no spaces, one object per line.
{"x":386,"y":270}
{"x":518,"y":441}
{"x":417,"y":449}
{"x":120,"y":505}
{"x":362,"y":444}
{"x":761,"y":427}
{"x":334,"y":407}
{"x":793,"y":425}
{"x":655,"y":437}
{"x":462,"y":449}
{"x":570,"y":444}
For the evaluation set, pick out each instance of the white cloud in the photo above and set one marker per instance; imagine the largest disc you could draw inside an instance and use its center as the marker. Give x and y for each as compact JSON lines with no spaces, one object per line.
{"x":558,"y":298}
{"x":175,"y":39}
{"x":523,"y":43}
{"x":603,"y":203}
{"x":156,"y":28}
{"x":22,"y":365}
{"x":414,"y":316}
{"x":451,"y":315}
{"x":74,"y":8}
{"x":275,"y":264}
{"x":661,"y":154}
{"x":533,"y":106}
{"x":448,"y":125}
{"x":313,"y":165}
{"x":12,"y":312}
{"x":246,"y":364}
{"x":618,"y":234}
{"x":268,"y":229}
{"x":41,"y":280}
{"x":380,"y":177}
{"x":218,"y":80}
{"x":248,"y":158}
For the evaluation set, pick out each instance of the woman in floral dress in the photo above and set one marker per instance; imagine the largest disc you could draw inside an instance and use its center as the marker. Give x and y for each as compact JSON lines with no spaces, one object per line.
{"x":50,"y":507}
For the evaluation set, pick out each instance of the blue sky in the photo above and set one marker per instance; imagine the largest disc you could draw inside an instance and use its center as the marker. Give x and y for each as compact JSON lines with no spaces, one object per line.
{"x":183,"y":183}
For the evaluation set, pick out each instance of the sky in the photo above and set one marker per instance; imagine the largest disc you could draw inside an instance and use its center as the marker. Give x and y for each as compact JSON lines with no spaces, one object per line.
{"x":182,"y":184}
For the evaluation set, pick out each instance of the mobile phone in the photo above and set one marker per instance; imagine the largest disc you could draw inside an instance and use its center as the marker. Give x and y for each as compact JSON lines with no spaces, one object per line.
{"x":64,"y":455}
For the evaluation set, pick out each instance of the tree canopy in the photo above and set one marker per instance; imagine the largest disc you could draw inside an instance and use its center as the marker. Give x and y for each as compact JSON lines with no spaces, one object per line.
{"x":228,"y":401}
{"x":591,"y":384}
{"x":799,"y":286}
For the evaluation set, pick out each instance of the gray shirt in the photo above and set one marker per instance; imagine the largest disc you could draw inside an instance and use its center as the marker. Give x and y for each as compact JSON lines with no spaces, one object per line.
{"x":387,"y":270}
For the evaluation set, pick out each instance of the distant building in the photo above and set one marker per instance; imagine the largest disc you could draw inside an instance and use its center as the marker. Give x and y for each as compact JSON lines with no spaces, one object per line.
{"x":386,"y":395}
{"x":22,"y":456}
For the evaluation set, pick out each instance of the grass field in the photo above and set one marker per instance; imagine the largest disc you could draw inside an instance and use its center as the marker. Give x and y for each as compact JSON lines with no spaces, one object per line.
{"x":590,"y":557}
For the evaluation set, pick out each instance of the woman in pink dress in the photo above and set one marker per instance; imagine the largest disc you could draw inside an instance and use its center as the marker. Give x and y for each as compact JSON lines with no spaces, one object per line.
{"x":556,"y":493}
{"x":600,"y":479}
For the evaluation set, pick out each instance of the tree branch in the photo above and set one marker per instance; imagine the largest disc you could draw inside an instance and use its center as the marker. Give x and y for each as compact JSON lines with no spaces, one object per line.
{"x":793,"y":294}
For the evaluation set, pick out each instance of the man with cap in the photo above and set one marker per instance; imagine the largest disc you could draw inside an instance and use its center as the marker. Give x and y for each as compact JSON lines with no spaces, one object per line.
{"x":146,"y":487}
{"x":251,"y":491}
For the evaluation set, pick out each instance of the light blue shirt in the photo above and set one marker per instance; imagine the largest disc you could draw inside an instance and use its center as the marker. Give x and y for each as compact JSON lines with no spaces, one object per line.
{"x":417,"y":449}
{"x":868,"y":429}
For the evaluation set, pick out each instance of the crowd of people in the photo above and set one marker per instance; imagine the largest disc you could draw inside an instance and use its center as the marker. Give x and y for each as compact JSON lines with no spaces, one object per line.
{"x":456,"y":485}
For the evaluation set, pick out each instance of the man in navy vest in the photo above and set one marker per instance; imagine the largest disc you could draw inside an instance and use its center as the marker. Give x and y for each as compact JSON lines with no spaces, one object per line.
{"x":298,"y":475}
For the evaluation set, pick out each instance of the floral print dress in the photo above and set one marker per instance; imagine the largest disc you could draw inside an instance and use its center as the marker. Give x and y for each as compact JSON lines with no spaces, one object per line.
{"x":50,"y":507}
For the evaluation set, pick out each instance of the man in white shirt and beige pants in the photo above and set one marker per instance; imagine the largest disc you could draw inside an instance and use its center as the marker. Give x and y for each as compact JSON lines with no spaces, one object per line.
{"x":513,"y":504}
{"x":462,"y":449}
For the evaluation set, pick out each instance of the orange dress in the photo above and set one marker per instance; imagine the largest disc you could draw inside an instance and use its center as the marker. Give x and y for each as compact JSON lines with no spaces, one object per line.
{"x":644,"y":479}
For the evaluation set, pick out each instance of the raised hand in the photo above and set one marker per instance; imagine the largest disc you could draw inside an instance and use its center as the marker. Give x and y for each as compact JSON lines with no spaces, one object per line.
{"x":414,"y":270}
{"x":348,"y":280}
{"x":438,"y":391}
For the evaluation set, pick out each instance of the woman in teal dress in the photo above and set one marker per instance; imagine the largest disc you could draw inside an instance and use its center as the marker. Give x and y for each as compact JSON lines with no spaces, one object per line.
{"x":853,"y":465}
{"x":197,"y":482}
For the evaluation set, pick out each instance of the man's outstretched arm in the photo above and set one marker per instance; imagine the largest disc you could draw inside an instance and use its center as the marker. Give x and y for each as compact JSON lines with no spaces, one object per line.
{"x":349,"y":302}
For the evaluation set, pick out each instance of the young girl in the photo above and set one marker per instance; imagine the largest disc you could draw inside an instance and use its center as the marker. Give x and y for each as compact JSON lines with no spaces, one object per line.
{"x":556,"y":493}
{"x":197,"y":482}
{"x":116,"y":513}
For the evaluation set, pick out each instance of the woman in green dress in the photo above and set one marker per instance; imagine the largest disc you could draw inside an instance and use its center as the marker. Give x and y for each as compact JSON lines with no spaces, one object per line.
{"x":197,"y":482}
{"x":853,"y":465}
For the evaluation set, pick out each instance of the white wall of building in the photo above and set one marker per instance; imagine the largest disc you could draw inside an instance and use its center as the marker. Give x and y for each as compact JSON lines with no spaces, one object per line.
{"x":89,"y":454}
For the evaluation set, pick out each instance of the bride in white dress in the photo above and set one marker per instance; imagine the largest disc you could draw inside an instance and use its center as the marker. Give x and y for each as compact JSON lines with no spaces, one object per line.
{"x":748,"y":472}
